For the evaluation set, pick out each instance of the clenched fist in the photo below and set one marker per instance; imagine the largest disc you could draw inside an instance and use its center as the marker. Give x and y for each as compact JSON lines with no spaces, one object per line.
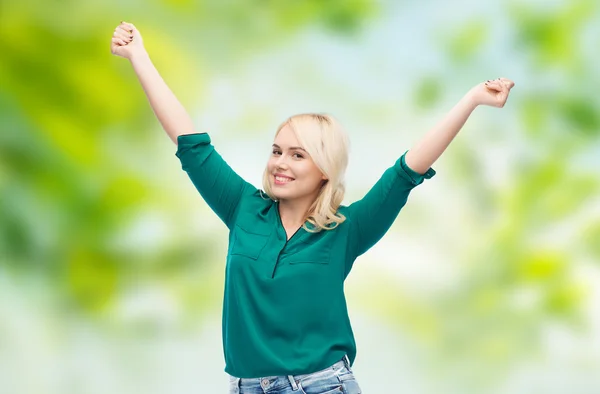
{"x":126,"y":41}
{"x":493,"y":93}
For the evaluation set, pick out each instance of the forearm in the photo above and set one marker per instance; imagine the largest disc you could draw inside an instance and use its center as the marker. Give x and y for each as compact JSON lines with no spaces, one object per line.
{"x":170,"y":112}
{"x":422,"y":156}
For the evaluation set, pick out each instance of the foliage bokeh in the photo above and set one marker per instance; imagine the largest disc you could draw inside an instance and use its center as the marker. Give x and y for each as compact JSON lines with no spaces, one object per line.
{"x":486,"y":283}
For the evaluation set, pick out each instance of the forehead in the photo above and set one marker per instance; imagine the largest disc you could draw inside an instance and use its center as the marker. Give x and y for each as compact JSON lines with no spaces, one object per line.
{"x":286,"y":137}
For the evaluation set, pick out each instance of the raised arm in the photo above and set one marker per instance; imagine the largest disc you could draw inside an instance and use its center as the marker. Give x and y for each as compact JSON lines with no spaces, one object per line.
{"x":434,"y":143}
{"x":219,"y":185}
{"x":373,"y":215}
{"x":127,"y":42}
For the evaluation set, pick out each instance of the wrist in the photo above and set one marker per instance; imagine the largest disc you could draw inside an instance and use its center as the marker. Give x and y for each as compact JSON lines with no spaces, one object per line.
{"x":138,"y":55}
{"x":470,"y":99}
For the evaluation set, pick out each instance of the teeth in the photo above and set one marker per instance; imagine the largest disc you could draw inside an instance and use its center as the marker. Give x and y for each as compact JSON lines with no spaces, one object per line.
{"x":281,"y":179}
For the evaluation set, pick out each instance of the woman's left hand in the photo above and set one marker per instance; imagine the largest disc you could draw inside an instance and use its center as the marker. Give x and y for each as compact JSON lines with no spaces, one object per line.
{"x":493,"y":93}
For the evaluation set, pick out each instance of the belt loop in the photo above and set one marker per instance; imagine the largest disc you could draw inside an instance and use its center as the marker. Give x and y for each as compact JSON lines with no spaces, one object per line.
{"x":293,"y":382}
{"x":237,"y":384}
{"x":346,"y":361}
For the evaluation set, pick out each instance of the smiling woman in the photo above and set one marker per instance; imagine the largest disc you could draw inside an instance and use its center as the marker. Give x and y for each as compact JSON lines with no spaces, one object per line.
{"x":306,"y":171}
{"x":286,"y":327}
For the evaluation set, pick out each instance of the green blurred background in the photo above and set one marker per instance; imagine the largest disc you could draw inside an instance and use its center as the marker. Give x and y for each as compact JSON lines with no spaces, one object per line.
{"x":111,"y":266}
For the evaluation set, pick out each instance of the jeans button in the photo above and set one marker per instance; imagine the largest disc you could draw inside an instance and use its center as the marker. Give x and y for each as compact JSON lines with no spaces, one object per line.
{"x":265,"y":382}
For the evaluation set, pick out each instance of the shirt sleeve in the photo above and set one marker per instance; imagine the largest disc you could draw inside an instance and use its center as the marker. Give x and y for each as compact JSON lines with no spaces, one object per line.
{"x":218,"y":184}
{"x":373,"y":215}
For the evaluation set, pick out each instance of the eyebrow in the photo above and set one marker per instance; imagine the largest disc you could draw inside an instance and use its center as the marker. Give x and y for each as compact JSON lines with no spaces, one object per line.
{"x":291,"y":147}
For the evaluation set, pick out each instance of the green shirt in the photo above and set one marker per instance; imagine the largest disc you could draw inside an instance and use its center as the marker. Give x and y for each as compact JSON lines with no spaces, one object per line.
{"x":284,"y":309}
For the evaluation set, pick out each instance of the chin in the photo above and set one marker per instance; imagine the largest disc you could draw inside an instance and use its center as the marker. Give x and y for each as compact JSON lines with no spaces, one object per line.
{"x":279,"y":195}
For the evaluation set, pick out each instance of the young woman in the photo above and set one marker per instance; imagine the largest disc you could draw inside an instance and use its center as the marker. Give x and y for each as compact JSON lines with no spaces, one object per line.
{"x":285,"y":321}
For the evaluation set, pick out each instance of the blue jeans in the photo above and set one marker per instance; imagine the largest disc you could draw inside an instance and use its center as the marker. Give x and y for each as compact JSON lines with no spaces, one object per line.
{"x":337,"y":379}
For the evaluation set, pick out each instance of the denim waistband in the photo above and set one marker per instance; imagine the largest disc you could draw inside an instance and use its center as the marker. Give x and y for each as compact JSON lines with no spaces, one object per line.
{"x":267,"y":382}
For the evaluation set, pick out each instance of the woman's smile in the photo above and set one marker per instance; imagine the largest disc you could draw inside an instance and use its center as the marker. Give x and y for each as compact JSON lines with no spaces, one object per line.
{"x":282,"y":179}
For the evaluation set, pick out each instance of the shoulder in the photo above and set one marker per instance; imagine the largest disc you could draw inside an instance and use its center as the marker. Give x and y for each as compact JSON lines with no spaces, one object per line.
{"x":255,"y":207}
{"x":346,"y":211}
{"x":259,"y":199}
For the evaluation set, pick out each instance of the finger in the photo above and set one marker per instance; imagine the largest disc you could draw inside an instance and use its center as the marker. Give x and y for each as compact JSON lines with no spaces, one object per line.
{"x":494,"y":85}
{"x":122,"y":38}
{"x":123,"y":34}
{"x":503,"y":96}
{"x":493,"y":82}
{"x":128,"y":26}
{"x":508,"y":82}
{"x":118,"y":41}
{"x":123,"y":30}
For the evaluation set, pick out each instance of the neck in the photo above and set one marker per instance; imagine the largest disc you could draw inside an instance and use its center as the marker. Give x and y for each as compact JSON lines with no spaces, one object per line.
{"x":293,"y":213}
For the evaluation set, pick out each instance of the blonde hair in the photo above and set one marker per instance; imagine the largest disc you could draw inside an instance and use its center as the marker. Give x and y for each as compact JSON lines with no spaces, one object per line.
{"x":327,"y":144}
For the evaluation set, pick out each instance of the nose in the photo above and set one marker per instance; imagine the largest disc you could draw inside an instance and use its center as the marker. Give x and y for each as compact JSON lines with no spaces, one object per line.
{"x":281,"y":162}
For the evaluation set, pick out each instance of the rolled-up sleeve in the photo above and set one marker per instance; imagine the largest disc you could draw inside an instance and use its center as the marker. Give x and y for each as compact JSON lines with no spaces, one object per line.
{"x":218,"y":184}
{"x":413,"y":176}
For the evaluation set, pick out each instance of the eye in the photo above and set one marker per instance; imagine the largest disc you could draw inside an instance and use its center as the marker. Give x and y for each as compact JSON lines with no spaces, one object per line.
{"x":276,"y":152}
{"x":297,"y":155}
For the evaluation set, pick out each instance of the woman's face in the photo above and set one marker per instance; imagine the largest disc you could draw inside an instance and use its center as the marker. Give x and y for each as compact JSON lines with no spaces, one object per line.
{"x":292,"y":173}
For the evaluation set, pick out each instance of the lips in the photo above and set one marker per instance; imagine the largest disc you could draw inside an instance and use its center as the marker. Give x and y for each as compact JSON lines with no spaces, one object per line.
{"x":282,"y":179}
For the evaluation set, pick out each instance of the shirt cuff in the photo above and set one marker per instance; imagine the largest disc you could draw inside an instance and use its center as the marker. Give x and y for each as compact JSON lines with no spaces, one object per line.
{"x":187,"y":141}
{"x":411,"y":175}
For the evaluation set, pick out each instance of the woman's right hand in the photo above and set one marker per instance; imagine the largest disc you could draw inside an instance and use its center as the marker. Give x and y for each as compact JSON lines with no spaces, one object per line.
{"x":126,"y":41}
